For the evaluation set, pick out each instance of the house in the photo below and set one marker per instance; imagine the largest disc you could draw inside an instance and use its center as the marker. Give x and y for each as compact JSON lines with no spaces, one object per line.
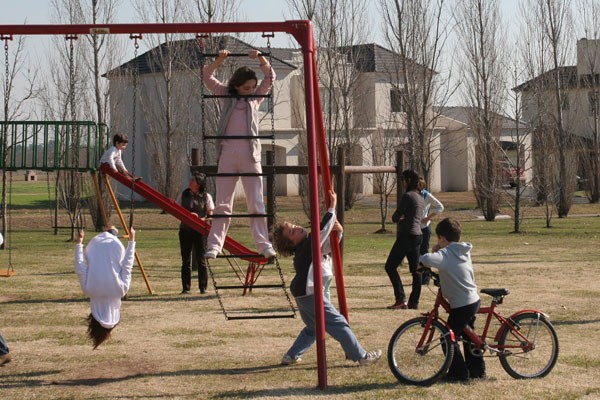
{"x":374,"y":112}
{"x":579,"y":88}
{"x":458,"y":161}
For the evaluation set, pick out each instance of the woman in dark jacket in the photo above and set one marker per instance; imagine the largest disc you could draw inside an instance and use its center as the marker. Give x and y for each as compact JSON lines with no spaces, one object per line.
{"x":408,"y":241}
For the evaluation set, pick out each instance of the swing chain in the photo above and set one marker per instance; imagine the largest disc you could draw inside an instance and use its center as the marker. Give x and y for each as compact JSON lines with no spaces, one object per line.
{"x":133,"y":120}
{"x":285,"y":290}
{"x":214,"y":282}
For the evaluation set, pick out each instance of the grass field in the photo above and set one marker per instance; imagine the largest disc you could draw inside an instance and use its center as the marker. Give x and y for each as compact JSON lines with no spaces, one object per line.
{"x":169,"y":346}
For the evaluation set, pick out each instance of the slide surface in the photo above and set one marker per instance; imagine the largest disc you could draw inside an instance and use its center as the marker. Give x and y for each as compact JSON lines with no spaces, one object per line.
{"x":170,"y":206}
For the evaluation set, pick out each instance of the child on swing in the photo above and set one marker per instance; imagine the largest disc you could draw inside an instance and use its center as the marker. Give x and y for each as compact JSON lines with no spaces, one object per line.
{"x":104,"y":272}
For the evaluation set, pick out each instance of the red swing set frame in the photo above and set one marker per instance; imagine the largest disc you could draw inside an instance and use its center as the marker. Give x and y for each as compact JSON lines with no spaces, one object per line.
{"x":302,"y":31}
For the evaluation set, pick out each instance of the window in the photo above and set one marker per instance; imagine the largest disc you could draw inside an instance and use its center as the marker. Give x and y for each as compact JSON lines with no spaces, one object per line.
{"x":397,"y":102}
{"x":594,"y":99}
{"x":265,"y":106}
{"x":565,"y":102}
{"x":330,"y":100}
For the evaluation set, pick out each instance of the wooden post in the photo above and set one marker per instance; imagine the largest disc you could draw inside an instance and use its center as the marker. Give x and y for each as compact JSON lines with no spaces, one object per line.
{"x":195,"y":157}
{"x":340,"y":187}
{"x":126,"y":229}
{"x":399,"y":166}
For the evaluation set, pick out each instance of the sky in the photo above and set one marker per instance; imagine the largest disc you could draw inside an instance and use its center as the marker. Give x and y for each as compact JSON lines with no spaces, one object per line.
{"x":37,"y":12}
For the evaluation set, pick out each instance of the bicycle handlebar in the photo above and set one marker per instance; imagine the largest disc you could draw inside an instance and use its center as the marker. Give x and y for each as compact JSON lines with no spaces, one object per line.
{"x":434,"y":275}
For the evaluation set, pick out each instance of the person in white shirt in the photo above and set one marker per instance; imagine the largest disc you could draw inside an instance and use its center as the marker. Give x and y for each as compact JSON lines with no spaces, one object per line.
{"x":431,"y":208}
{"x":113,"y":155}
{"x":5,"y":356}
{"x":104,"y":272}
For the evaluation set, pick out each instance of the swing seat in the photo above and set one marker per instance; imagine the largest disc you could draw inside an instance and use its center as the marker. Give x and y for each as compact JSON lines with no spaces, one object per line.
{"x":7,"y":274}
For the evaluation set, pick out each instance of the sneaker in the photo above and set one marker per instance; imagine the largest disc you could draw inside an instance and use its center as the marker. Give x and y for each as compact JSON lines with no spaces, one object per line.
{"x":185,"y":292}
{"x":288,"y":360}
{"x":202,"y":291}
{"x":5,"y":359}
{"x":399,"y":305}
{"x":212,"y":253}
{"x":370,"y":358}
{"x":269,"y":252}
{"x":413,"y":306}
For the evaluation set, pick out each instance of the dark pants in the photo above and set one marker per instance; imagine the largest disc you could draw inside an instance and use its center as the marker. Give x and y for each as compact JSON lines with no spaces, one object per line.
{"x":425,"y":277}
{"x":471,"y":365}
{"x":406,"y":245}
{"x":190,"y":239}
{"x":3,"y":346}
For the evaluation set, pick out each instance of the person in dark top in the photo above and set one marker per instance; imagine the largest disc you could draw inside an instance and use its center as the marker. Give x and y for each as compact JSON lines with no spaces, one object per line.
{"x":294,"y":240}
{"x":200,"y":203}
{"x":408,"y":242}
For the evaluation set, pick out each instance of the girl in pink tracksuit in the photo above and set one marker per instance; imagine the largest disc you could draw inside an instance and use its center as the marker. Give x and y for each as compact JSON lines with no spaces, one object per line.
{"x":239,"y":117}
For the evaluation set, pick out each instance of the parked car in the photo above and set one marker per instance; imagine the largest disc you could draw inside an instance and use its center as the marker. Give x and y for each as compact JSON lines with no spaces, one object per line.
{"x":509,"y":174}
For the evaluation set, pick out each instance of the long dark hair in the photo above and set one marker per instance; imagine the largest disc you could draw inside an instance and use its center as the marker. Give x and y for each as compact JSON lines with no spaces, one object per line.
{"x":239,"y":77}
{"x":411,"y":178}
{"x":96,"y":332}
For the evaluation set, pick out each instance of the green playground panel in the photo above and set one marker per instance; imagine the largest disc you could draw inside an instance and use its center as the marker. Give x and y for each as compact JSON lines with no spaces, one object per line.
{"x":52,"y":145}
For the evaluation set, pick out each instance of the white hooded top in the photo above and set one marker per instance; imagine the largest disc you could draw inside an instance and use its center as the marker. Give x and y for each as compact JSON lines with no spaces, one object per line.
{"x":456,"y":273}
{"x":326,"y":262}
{"x":104,"y":274}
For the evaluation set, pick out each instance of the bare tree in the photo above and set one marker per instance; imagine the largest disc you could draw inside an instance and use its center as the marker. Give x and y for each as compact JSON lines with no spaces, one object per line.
{"x":417,"y":31}
{"x":66,"y":98}
{"x":481,"y":39}
{"x":521,"y":138}
{"x":103,"y":53}
{"x":553,"y":18}
{"x":547,"y":29}
{"x":170,"y":91}
{"x":340,"y":32}
{"x":588,"y":64}
{"x":14,"y":106}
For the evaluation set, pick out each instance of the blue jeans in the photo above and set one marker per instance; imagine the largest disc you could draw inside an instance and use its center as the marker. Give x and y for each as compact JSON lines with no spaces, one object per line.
{"x":335,"y":325}
{"x":3,"y":347}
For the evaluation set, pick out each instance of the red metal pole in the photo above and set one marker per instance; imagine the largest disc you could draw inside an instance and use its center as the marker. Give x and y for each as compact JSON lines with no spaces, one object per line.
{"x":313,"y":179}
{"x":326,"y":175}
{"x":303,"y":33}
{"x":295,"y":28}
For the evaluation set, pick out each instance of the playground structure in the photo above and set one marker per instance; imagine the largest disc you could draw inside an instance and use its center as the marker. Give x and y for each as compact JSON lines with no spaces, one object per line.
{"x":316,"y":142}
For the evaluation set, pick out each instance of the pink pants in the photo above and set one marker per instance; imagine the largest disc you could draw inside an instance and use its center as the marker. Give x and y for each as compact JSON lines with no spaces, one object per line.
{"x":238,"y":159}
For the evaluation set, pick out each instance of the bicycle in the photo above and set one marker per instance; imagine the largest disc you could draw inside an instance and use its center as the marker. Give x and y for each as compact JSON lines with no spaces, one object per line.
{"x":421,"y":349}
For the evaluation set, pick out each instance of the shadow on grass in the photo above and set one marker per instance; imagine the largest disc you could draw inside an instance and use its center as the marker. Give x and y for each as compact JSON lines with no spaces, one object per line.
{"x":281,"y":391}
{"x":15,"y":381}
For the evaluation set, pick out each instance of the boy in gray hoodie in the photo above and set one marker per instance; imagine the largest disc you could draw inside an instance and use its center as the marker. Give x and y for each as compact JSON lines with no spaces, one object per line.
{"x":453,"y":260}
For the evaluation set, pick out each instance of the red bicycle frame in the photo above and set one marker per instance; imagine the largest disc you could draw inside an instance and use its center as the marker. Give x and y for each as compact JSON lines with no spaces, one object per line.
{"x":480,"y":341}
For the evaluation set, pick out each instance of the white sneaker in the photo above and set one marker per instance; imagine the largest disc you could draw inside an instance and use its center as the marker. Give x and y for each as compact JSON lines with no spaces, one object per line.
{"x":269,"y":252}
{"x":370,"y":358}
{"x":288,"y":360}
{"x":212,"y":253}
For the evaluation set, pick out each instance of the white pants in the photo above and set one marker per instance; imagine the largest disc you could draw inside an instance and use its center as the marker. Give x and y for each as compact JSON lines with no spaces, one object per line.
{"x":238,"y":159}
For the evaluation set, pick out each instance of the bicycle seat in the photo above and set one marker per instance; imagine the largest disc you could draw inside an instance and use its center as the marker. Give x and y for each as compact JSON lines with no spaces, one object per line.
{"x":495,"y":292}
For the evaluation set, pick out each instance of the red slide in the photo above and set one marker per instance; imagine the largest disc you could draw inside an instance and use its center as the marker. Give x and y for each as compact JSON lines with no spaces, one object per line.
{"x":181,"y":214}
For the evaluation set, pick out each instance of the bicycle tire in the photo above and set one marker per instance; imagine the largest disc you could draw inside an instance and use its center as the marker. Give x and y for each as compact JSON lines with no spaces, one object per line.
{"x":529,"y":363}
{"x":425,"y":366}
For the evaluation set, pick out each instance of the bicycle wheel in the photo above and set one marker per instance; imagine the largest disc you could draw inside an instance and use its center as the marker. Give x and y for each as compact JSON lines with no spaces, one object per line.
{"x":530,"y":349}
{"x":421,"y":366}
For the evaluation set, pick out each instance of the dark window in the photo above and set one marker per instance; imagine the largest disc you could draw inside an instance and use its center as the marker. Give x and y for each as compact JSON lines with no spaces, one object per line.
{"x":329,"y":100}
{"x":397,"y":102}
{"x":594,"y":99}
